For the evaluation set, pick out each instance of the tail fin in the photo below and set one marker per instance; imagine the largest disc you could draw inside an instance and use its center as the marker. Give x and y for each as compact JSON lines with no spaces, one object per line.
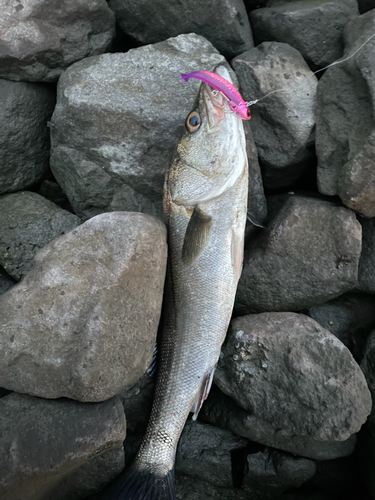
{"x":134,"y":484}
{"x":185,"y":76}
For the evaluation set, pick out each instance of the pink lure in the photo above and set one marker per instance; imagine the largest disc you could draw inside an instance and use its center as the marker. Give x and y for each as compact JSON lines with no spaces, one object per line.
{"x":236,"y":102}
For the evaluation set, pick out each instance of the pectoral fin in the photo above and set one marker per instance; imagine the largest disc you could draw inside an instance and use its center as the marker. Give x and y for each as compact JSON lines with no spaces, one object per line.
{"x":197,"y":235}
{"x":203,"y":393}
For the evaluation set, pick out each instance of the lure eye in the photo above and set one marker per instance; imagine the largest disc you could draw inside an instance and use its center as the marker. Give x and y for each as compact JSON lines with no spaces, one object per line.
{"x":193,"y":121}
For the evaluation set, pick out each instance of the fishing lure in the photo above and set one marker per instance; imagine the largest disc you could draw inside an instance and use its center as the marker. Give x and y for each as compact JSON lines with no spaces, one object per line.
{"x":236,"y":102}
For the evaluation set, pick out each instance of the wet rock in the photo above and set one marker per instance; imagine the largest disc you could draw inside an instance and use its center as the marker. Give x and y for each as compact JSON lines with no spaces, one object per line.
{"x":224,"y":24}
{"x":283,"y":123}
{"x":314,"y":27}
{"x":345,"y":128}
{"x":6,"y":281}
{"x":222,"y":411}
{"x":188,"y":488}
{"x":307,"y":254}
{"x":204,"y":453}
{"x":97,"y":287}
{"x":366,"y":270}
{"x":24,"y":142}
{"x":27,"y":223}
{"x":350,"y":318}
{"x":118,"y":119}
{"x":290,"y":372}
{"x":42,"y":38}
{"x":50,"y":449}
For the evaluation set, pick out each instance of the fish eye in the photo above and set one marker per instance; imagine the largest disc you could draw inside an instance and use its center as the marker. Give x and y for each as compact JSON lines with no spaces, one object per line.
{"x":193,"y":121}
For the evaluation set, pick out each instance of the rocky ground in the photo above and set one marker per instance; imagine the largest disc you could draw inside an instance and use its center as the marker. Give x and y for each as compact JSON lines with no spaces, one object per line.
{"x":92,"y":106}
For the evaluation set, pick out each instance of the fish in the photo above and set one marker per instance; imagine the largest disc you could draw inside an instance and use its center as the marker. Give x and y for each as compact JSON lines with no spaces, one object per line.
{"x":205,"y":210}
{"x":236,"y":102}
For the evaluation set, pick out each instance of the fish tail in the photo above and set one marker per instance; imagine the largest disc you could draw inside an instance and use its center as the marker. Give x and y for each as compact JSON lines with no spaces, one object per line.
{"x":185,"y":76}
{"x":136,"y":484}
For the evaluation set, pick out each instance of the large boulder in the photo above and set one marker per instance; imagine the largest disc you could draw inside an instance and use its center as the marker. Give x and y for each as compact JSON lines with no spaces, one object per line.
{"x":25,"y":109}
{"x":314,"y":27}
{"x":82,"y":324}
{"x":345,"y":123}
{"x":292,"y":373}
{"x":27,"y":223}
{"x":307,"y":254}
{"x":40,"y":39}
{"x":58,"y":449}
{"x":284,"y":139}
{"x":225,"y":24}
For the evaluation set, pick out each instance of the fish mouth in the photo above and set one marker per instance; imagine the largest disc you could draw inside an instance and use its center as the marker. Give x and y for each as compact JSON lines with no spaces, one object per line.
{"x":216,"y":107}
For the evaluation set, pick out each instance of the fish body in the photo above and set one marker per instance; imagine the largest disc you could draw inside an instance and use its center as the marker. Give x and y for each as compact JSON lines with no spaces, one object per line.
{"x":205,"y":203}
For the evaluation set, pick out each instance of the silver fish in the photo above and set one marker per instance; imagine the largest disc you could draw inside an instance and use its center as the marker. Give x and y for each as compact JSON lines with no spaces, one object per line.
{"x":205,"y":201}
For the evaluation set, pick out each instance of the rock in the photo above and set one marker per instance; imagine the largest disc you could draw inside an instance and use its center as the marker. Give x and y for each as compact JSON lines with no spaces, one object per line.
{"x":366,"y":270}
{"x":345,"y":126}
{"x":52,"y":191}
{"x":188,"y":488}
{"x":290,"y":372}
{"x":117,"y":122}
{"x":225,"y":24}
{"x":27,"y":223}
{"x":314,"y":27}
{"x":350,"y":318}
{"x":42,"y":38}
{"x":88,"y":326}
{"x":368,"y":363}
{"x":24,"y":142}
{"x":307,"y":495}
{"x":283,"y":123}
{"x":222,"y":411}
{"x":307,"y":254}
{"x":6,"y":281}
{"x":50,"y":449}
{"x":204,"y":453}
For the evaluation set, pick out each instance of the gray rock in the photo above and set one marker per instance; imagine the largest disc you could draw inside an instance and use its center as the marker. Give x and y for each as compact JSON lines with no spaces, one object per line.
{"x":6,"y":281}
{"x":366,"y":270}
{"x":368,"y":363}
{"x":350,"y":318}
{"x":290,"y":372}
{"x":225,"y":24}
{"x":284,"y":138}
{"x":118,"y":119}
{"x":89,"y":323}
{"x":345,"y":125}
{"x":222,"y":411}
{"x":188,"y":488}
{"x":50,"y":449}
{"x":308,"y":254}
{"x":314,"y":27}
{"x":27,"y":223}
{"x":24,"y":141}
{"x":42,"y":38}
{"x":204,"y":453}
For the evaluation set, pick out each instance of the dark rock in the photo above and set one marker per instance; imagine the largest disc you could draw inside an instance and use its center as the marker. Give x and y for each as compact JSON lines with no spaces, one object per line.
{"x":27,"y":223}
{"x":368,"y":363}
{"x":24,"y":141}
{"x":284,"y":139}
{"x":58,"y":449}
{"x":97,"y":287}
{"x":365,"y":452}
{"x":222,"y":411}
{"x":309,"y":495}
{"x":366,"y":270}
{"x":42,"y":38}
{"x":225,"y":24}
{"x":345,"y":128}
{"x":6,"y":281}
{"x":53,"y":192}
{"x":350,"y":318}
{"x":188,"y":488}
{"x":307,"y":254}
{"x":290,"y":372}
{"x":117,"y":122}
{"x":314,"y":27}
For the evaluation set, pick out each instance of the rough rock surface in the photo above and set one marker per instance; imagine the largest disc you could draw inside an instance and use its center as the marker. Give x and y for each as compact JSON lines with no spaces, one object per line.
{"x":222,"y":411}
{"x":24,"y":141}
{"x":6,"y":281}
{"x":117,"y":122}
{"x":350,"y":318}
{"x":314,"y":27}
{"x":42,"y":38}
{"x":345,"y":124}
{"x":366,"y":270}
{"x":307,"y":254}
{"x":292,"y":373}
{"x":89,"y":323}
{"x":27,"y":223}
{"x":225,"y":24}
{"x":284,"y":122}
{"x":50,"y":449}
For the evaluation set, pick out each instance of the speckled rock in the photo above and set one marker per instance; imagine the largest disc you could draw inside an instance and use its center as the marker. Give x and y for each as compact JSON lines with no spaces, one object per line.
{"x":97,"y":287}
